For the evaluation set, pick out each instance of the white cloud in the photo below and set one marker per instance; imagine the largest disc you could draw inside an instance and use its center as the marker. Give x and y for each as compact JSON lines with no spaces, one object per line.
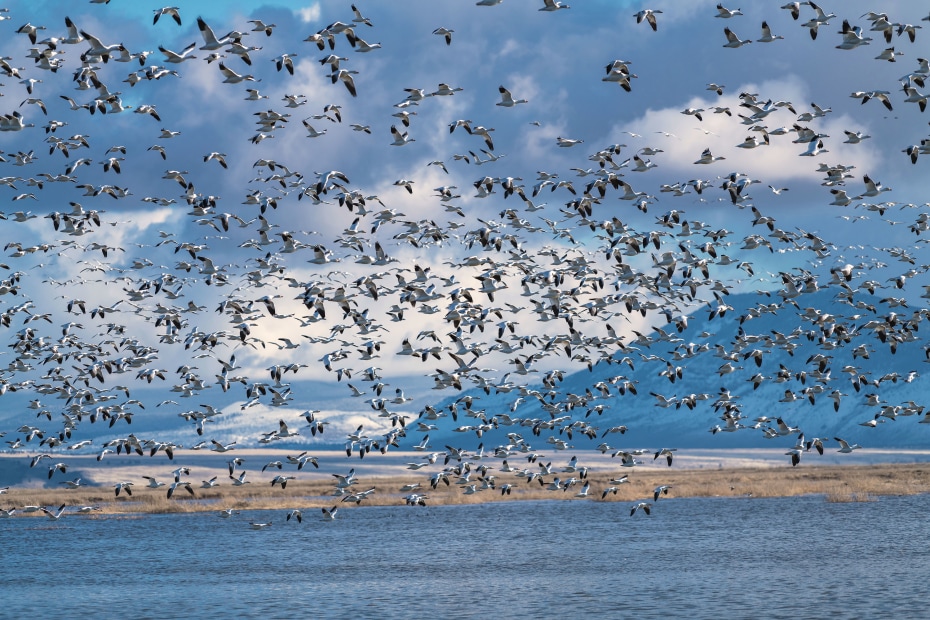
{"x":683,"y":137}
{"x":309,"y":14}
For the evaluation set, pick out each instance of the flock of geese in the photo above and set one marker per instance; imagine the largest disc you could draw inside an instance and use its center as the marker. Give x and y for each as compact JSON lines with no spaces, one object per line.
{"x":602,"y":280}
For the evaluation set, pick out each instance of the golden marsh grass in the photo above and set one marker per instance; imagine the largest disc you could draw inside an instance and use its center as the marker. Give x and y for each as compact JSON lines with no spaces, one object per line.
{"x":845,"y":483}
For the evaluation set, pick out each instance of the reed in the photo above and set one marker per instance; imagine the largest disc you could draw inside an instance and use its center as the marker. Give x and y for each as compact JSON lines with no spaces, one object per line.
{"x":850,"y":483}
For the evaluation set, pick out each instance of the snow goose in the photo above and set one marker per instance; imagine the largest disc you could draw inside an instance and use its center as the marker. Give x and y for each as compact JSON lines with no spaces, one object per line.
{"x":218,"y":447}
{"x":311,"y":132}
{"x":54,"y":516}
{"x":708,"y":158}
{"x":282,"y":480}
{"x":814,"y":148}
{"x":888,"y":54}
{"x":175,"y":57}
{"x":98,"y":49}
{"x":794,"y":8}
{"x":567,"y":142}
{"x":726,"y":13}
{"x":175,"y":485}
{"x":74,"y":36}
{"x":345,"y":76}
{"x":29,"y":30}
{"x":553,"y":5}
{"x":820,"y":17}
{"x":444,"y":90}
{"x":733,"y":40}
{"x":852,"y":37}
{"x":259,"y":526}
{"x":845,"y":446}
{"x":649,"y":16}
{"x":620,"y":77}
{"x":446,"y":33}
{"x":170,"y":11}
{"x":913,"y":96}
{"x":767,"y":36}
{"x":910,"y":29}
{"x":153,"y":483}
{"x":507,"y":99}
{"x":260,"y":26}
{"x":644,"y":506}
{"x":363,"y":46}
{"x":872,"y":188}
{"x":400,"y":139}
{"x":231,"y":77}
{"x":667,"y":453}
{"x":210,"y":41}
{"x":854,"y":137}
{"x":660,"y":490}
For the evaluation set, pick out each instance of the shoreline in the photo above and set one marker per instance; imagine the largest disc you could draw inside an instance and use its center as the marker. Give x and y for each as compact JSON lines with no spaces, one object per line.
{"x":691,"y":475}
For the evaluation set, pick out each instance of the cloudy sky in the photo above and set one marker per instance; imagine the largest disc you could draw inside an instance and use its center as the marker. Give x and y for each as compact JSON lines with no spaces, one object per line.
{"x":553,"y":60}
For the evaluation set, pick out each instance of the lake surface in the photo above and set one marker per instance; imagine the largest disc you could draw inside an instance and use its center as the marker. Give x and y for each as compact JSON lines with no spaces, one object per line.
{"x":696,"y":557}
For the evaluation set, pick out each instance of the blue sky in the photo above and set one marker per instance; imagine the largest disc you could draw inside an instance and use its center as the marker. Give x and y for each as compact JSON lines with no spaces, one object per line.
{"x":554,"y":60}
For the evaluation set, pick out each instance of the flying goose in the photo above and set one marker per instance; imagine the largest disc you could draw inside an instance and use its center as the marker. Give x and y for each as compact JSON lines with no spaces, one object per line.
{"x":649,"y":16}
{"x":55,"y":516}
{"x":507,"y":99}
{"x":708,"y":158}
{"x":400,"y":139}
{"x":171,"y":11}
{"x":210,"y":41}
{"x":260,"y":26}
{"x":767,"y":36}
{"x":727,"y":13}
{"x":733,"y":40}
{"x":845,"y":446}
{"x":446,"y":33}
{"x":231,"y":77}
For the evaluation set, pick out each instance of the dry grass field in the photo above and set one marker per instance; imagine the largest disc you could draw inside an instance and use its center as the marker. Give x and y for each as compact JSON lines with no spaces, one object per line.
{"x":315,"y":488}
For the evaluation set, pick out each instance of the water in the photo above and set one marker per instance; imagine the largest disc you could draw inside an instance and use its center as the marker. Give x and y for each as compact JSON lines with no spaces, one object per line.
{"x":701,"y":558}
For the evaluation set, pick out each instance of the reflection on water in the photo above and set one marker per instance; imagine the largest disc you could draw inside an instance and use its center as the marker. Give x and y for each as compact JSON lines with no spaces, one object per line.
{"x":774,"y":558}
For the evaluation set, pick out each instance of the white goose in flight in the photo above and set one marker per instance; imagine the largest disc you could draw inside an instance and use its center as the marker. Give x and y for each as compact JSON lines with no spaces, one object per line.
{"x":54,"y":516}
{"x":170,"y":11}
{"x":97,"y":47}
{"x":734,"y":41}
{"x":553,"y":5}
{"x":649,"y":16}
{"x":400,"y":138}
{"x":178,"y":57}
{"x":708,"y":158}
{"x":845,"y":446}
{"x":767,"y":36}
{"x":231,"y":77}
{"x":210,"y":41}
{"x":507,"y":99}
{"x":445,"y":33}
